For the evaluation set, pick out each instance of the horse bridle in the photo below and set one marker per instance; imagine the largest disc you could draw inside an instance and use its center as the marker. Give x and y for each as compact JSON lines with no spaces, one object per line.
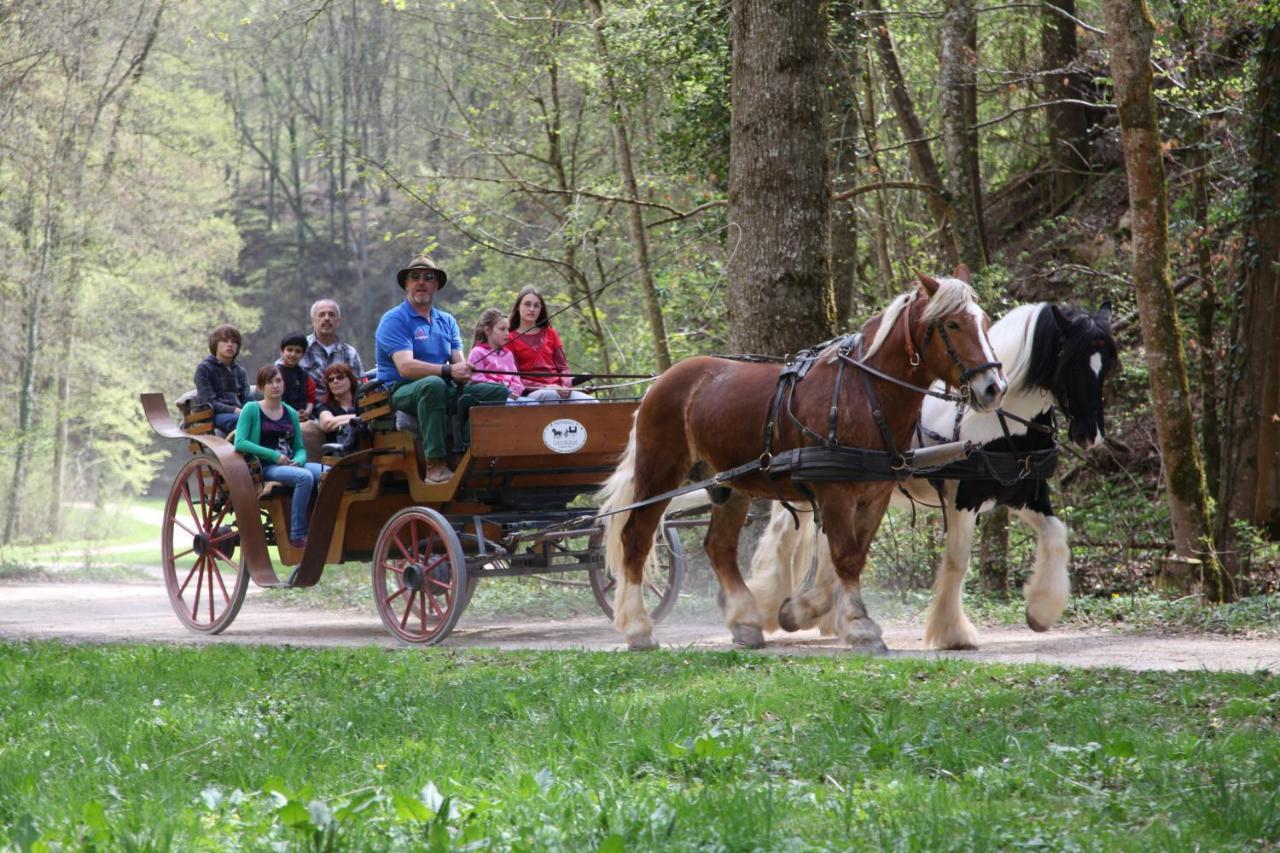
{"x":966,"y":373}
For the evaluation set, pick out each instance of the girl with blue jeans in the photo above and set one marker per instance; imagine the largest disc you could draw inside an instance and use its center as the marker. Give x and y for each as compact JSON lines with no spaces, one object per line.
{"x":270,"y":431}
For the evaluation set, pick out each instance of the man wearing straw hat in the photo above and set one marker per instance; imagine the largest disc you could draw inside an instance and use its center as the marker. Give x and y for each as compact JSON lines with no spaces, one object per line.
{"x":419,"y":356}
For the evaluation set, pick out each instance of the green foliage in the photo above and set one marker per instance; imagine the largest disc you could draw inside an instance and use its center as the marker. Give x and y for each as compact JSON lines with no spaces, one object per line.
{"x":225,"y":746}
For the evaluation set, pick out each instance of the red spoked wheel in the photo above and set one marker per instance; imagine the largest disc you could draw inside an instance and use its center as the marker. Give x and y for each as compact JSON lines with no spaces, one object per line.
{"x":200,"y":522}
{"x":663,"y":575}
{"x":420,"y":583}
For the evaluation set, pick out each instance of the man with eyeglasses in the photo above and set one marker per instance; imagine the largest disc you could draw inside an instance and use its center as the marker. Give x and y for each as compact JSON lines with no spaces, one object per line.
{"x":419,"y":356}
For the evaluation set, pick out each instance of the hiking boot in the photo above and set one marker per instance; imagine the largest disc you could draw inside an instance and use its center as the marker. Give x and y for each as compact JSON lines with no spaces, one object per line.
{"x":437,"y":472}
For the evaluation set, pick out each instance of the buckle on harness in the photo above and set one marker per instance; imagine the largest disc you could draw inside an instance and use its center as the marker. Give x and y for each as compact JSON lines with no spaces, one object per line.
{"x":766,"y":461}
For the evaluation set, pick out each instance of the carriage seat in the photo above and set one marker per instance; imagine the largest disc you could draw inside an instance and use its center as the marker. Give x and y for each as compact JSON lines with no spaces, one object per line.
{"x":373,"y":402}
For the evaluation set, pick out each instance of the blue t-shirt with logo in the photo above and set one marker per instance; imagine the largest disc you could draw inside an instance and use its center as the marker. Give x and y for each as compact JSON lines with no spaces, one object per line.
{"x":402,"y":328}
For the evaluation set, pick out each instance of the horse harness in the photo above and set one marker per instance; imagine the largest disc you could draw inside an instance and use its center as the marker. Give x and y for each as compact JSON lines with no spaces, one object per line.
{"x":828,"y":460}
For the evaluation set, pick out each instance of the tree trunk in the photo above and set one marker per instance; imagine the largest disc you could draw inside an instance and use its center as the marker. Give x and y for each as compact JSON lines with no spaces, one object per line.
{"x":843,"y":79}
{"x":993,"y":552}
{"x":1068,"y":123}
{"x":958,"y":70}
{"x":922,"y":162}
{"x":1130,"y":32}
{"x":1207,"y":308}
{"x":971,"y":147}
{"x":779,"y":198}
{"x":27,"y":390}
{"x":635,"y":214}
{"x":1247,"y":490}
{"x":880,"y":235}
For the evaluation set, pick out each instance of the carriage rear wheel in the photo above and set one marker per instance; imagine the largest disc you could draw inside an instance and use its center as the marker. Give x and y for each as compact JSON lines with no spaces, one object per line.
{"x":420,"y":583}
{"x":200,"y":523}
{"x":663,"y":574}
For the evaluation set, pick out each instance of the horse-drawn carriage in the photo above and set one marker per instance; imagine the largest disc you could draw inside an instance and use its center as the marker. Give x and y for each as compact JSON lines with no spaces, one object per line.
{"x":509,"y":510}
{"x":763,"y":428}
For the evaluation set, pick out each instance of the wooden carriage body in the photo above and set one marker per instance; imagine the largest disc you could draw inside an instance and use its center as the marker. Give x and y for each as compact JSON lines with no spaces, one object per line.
{"x":513,"y":507}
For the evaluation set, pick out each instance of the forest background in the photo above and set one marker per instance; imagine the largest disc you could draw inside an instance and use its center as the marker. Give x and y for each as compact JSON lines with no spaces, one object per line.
{"x":167,"y":165}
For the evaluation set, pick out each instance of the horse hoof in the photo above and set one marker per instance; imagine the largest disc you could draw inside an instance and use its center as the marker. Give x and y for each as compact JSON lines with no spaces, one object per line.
{"x":1038,"y":627}
{"x":641,"y":644}
{"x":870,"y":648}
{"x":786,"y":621}
{"x":959,"y":647}
{"x":748,"y":636}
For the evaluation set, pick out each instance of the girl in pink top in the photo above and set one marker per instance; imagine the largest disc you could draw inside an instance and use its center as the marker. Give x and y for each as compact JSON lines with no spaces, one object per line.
{"x":490,"y":353}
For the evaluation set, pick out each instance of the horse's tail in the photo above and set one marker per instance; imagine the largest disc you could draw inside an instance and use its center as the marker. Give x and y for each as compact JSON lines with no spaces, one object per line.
{"x":618,"y":491}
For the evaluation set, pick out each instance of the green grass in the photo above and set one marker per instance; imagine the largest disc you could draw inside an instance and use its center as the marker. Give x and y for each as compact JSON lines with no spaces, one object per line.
{"x":134,"y":747}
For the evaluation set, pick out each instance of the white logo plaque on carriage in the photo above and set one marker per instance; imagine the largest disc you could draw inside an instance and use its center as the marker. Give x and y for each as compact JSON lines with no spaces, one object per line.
{"x":564,"y":435}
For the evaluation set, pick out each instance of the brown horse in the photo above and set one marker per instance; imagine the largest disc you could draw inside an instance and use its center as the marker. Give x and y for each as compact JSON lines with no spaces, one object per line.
{"x":711,"y":413}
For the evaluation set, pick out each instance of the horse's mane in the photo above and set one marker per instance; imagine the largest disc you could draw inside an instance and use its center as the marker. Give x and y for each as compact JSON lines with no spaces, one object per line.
{"x":1017,"y":338}
{"x":952,"y":295}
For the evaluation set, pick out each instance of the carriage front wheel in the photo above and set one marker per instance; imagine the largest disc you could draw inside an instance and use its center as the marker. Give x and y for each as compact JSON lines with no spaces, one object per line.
{"x":663,"y":574}
{"x":419,"y":576}
{"x":200,"y":525}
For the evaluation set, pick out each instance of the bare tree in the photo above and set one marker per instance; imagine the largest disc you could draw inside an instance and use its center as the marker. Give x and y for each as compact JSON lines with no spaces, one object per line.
{"x":958,"y":72}
{"x":922,"y":162}
{"x":635,"y":217}
{"x":1064,"y":89}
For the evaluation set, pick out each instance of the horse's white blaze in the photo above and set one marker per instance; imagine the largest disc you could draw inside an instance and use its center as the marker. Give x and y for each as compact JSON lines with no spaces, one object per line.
{"x":988,"y":351}
{"x":1047,"y":589}
{"x":1095,"y":362}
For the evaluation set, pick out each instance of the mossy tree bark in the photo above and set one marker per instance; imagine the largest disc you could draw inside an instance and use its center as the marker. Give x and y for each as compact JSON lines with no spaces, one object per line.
{"x":1130,"y":32}
{"x":780,"y":297}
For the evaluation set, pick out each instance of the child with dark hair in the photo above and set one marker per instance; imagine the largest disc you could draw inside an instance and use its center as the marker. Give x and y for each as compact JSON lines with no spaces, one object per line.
{"x":299,"y":387}
{"x":220,"y":382}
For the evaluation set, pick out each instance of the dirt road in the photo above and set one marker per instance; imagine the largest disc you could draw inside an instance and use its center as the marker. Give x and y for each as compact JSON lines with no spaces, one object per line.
{"x":139,"y":612}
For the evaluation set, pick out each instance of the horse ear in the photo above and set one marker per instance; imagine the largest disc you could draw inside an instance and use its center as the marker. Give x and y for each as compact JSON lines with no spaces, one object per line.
{"x":962,"y":273}
{"x":929,"y":284}
{"x":1104,"y":314}
{"x":1060,"y":318}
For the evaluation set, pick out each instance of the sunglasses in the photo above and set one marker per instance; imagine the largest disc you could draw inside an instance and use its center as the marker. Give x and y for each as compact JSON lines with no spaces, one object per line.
{"x":425,"y":275}
{"x":333,"y":379}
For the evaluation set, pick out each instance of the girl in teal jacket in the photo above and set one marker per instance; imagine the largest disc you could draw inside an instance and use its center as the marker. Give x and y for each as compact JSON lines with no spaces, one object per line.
{"x":269,"y":430}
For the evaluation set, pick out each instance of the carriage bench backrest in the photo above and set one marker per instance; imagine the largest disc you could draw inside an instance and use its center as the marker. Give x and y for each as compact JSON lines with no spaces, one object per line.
{"x":373,"y":402}
{"x":198,"y":419}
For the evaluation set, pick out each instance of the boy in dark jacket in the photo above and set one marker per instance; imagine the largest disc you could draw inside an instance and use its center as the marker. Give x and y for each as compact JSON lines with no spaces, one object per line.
{"x":299,"y":387}
{"x":221,"y":382}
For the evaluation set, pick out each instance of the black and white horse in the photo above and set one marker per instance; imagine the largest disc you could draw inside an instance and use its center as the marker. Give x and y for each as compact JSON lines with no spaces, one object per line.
{"x":1052,"y":356}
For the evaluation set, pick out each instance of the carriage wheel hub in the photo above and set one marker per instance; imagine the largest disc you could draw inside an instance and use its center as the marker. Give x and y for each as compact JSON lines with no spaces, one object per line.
{"x":413,"y":576}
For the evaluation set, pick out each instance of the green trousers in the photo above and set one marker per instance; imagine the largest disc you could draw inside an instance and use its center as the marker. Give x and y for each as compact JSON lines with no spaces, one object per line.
{"x":429,"y":398}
